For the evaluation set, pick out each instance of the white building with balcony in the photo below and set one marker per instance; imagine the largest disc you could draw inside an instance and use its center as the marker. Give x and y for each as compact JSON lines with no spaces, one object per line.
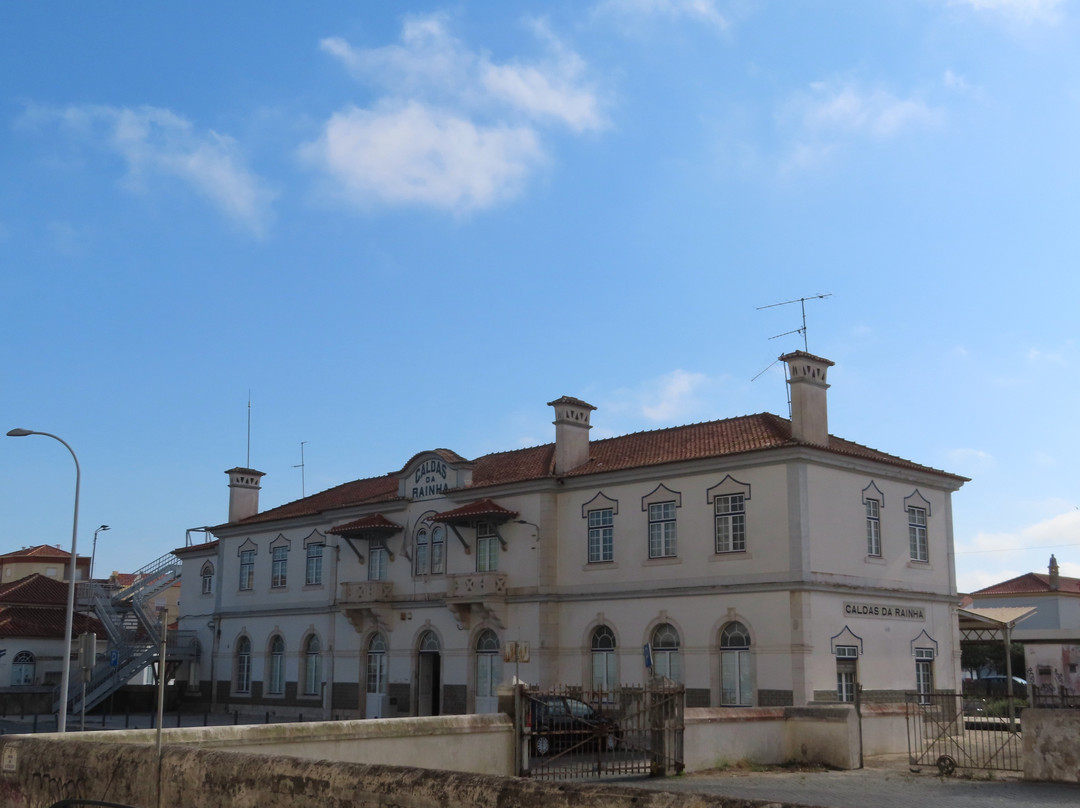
{"x":759,"y":560}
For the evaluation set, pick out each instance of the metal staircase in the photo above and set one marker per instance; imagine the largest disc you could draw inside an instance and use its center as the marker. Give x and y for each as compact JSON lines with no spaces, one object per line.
{"x":133,"y":630}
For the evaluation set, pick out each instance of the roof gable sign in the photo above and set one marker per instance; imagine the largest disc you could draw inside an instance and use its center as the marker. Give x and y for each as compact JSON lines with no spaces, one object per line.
{"x":429,"y":475}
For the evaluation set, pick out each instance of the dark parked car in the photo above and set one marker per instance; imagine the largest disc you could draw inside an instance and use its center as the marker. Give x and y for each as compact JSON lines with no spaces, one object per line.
{"x":561,"y":722}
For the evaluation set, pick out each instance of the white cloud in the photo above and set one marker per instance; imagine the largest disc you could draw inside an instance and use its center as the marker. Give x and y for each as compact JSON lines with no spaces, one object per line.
{"x":849,"y":109}
{"x":1024,"y":10}
{"x":699,"y":11}
{"x":673,"y":396}
{"x":971,"y":460}
{"x":420,"y":155}
{"x":991,"y":558}
{"x":157,"y":143}
{"x":452,"y":128}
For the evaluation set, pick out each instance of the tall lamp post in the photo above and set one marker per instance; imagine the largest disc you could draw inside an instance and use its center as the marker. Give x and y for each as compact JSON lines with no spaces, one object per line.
{"x":93,"y":551}
{"x":69,"y":618}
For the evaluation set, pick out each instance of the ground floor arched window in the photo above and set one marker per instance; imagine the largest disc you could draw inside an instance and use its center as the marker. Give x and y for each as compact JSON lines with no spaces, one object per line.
{"x":665,"y":652}
{"x":488,"y":672}
{"x":603,"y":660}
{"x":242,"y":678}
{"x":276,"y":683}
{"x":736,"y":680}
{"x":312,"y":666}
{"x":22,"y":669}
{"x":375,"y":705}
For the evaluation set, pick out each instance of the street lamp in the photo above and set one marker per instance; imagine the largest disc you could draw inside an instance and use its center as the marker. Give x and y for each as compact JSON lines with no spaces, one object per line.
{"x":93,"y":551}
{"x":69,"y":618}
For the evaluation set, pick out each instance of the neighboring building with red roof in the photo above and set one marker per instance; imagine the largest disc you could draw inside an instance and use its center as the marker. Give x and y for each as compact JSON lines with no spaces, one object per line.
{"x":761,"y":559}
{"x":33,"y":610}
{"x":1051,"y":637}
{"x":43,"y":559}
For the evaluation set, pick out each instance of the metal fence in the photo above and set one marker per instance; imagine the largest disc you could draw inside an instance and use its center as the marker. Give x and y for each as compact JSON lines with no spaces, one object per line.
{"x":950,"y":732}
{"x":570,"y":733}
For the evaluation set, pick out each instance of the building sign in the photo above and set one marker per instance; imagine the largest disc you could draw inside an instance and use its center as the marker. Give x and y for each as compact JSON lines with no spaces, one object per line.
{"x":429,"y":480}
{"x":885,"y":610}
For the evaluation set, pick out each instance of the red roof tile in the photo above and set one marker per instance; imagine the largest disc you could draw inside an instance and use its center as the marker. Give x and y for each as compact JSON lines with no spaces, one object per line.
{"x":731,"y":436}
{"x":375,"y":523}
{"x":35,"y":590}
{"x":39,"y":552}
{"x":1032,"y":583}
{"x":31,"y":621}
{"x":484,"y":508}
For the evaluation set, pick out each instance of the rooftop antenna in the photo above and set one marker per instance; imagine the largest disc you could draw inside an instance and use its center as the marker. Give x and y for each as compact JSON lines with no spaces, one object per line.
{"x":303,"y":485}
{"x":248,"y":465}
{"x":802,"y":303}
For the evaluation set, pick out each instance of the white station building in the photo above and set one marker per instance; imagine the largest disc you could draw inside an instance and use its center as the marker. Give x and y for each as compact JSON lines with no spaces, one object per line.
{"x":758,"y":560}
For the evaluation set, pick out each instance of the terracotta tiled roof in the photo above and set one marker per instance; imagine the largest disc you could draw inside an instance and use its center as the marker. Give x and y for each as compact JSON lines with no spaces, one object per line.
{"x":731,"y":436}
{"x":40,"y":552}
{"x":47,"y":622}
{"x":484,"y":508}
{"x":1032,"y":583}
{"x":194,"y":549}
{"x":35,"y":590}
{"x":375,"y":523}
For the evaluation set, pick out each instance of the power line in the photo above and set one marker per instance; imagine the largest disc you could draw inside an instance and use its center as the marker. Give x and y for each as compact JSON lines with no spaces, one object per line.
{"x":1014,"y":549}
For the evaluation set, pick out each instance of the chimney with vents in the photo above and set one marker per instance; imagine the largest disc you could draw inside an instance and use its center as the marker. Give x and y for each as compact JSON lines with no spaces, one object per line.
{"x":571,"y":432}
{"x":809,"y":412}
{"x":1055,"y":573}
{"x":243,"y":493}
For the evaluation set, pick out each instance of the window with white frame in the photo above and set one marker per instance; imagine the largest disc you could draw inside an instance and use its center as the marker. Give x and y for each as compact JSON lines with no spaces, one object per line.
{"x":487,"y":547}
{"x":378,"y":557}
{"x":438,"y":550}
{"x":279,"y":560}
{"x":247,"y":569}
{"x":736,"y":678}
{"x":662,"y":530}
{"x":603,"y":660}
{"x":275,"y":685}
{"x":313,"y":571}
{"x":312,"y":666}
{"x":924,"y":673}
{"x":730,"y":523}
{"x":601,"y":535}
{"x":376,"y":665}
{"x":488,"y":665}
{"x":243,"y":665}
{"x":207,"y":578}
{"x":920,"y":549}
{"x":422,"y":548}
{"x":847,"y":678}
{"x":873,"y":528}
{"x":665,"y":652}
{"x":22,"y":669}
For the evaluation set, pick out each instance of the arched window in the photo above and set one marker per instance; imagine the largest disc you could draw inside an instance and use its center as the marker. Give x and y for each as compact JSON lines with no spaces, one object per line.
{"x":376,"y":665}
{"x":312,"y":666}
{"x":22,"y":669}
{"x":603,"y":659}
{"x":488,"y":671}
{"x":438,"y":545}
{"x":207,"y":574}
{"x":736,"y":685}
{"x":429,"y":643}
{"x":243,"y":665}
{"x":276,"y":684}
{"x":421,"y":552}
{"x":665,"y":652}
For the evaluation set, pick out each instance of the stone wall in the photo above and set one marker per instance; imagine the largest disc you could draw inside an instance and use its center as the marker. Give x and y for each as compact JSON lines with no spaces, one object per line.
{"x":1050,"y":748}
{"x":37,"y":771}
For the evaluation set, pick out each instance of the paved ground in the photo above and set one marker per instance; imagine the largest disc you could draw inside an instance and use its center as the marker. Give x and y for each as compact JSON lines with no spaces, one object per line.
{"x":885,"y":783}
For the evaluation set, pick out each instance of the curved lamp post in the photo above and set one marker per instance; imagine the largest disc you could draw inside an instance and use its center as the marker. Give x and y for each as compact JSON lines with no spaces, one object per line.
{"x":93,"y":552}
{"x":69,"y":618}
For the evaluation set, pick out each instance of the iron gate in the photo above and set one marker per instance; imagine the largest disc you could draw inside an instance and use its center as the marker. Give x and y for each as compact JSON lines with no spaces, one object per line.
{"x":942,"y":733}
{"x":570,"y":733}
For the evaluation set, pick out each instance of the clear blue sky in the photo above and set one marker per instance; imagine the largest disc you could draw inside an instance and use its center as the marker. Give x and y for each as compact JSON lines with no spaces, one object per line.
{"x":403,"y":226}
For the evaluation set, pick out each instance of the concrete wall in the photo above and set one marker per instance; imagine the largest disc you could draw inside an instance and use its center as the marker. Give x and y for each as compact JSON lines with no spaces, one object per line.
{"x":38,"y":770}
{"x":718,"y":737}
{"x":482,"y":744}
{"x":1050,"y":748}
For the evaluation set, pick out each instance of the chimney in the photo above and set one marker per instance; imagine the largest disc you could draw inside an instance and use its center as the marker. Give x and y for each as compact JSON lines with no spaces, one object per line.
{"x":809,"y":412}
{"x":1055,"y":573}
{"x":571,"y":432}
{"x":243,"y":493}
